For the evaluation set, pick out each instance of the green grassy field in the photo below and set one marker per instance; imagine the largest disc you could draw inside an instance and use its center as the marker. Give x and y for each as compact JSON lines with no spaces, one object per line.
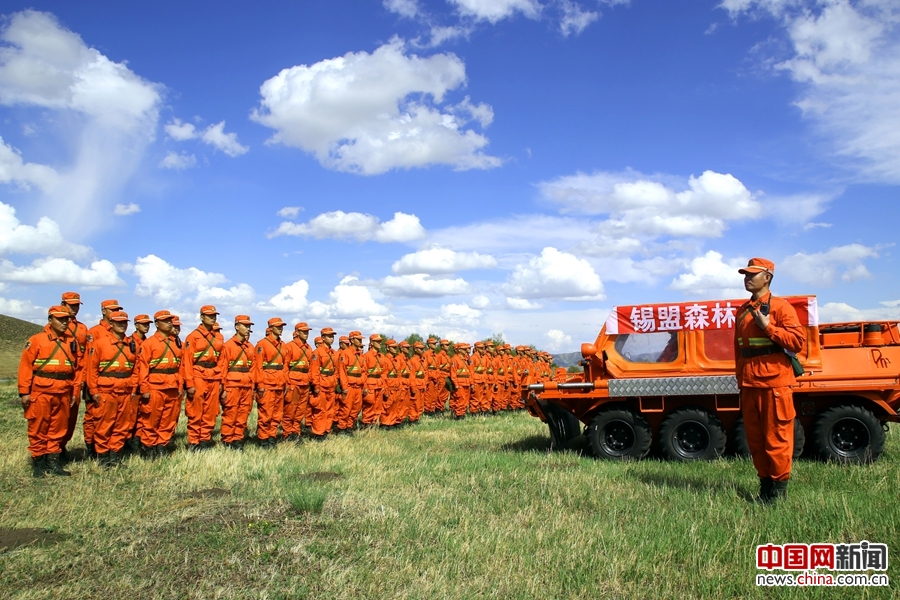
{"x":447,"y":509}
{"x":13,"y":335}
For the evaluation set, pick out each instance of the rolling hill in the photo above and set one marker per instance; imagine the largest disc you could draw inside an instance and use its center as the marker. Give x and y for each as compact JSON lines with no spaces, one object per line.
{"x":13,"y":335}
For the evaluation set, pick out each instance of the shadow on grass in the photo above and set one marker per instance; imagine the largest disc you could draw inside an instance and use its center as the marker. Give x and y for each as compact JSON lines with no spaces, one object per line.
{"x":695,"y":484}
{"x":533,"y":443}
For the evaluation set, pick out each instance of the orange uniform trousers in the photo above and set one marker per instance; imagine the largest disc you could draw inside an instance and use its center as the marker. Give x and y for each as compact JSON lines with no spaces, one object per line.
{"x":322,"y":407}
{"x":441,"y":393}
{"x":117,"y":414}
{"x":155,"y":426}
{"x":769,"y":422}
{"x":417,"y":402}
{"x":296,"y":409}
{"x":269,"y":413}
{"x":499,"y":398}
{"x":72,"y":421}
{"x":349,"y":406}
{"x":47,"y":415}
{"x":93,"y":411}
{"x":459,"y":399}
{"x":202,"y":410}
{"x":235,"y":412}
{"x":391,"y":400}
{"x":479,"y":401}
{"x":372,"y":402}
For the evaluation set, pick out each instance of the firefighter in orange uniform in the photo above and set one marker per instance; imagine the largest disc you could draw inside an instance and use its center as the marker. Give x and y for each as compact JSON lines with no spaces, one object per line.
{"x":442,"y":359}
{"x":324,"y":379}
{"x":352,"y":376}
{"x":479,"y":384}
{"x":272,"y":383}
{"x":461,"y":377}
{"x":111,"y":380}
{"x":765,"y":328}
{"x":141,"y":327}
{"x":431,"y":376}
{"x":373,"y":393}
{"x":298,"y":355}
{"x":160,"y":385}
{"x":238,"y":383}
{"x":48,"y":381}
{"x":91,"y":408}
{"x":403,"y":411}
{"x":391,"y":384}
{"x":202,"y":379}
{"x":78,"y":330}
{"x":418,"y":383}
{"x":490,"y":376}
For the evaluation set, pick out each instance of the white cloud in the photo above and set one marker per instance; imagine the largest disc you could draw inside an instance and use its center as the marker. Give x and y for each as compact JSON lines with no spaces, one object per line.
{"x":558,"y":340}
{"x":836,"y":312}
{"x":22,"y":309}
{"x":179,"y":162}
{"x":574,"y":18}
{"x":61,"y":271}
{"x":44,"y":238}
{"x":404,"y":8}
{"x":516,"y":233}
{"x":640,"y":205}
{"x":435,"y":261}
{"x":497,"y":10}
{"x":801,"y":208}
{"x":126,"y":209}
{"x":15,"y":170}
{"x":555,"y":274}
{"x":356,"y":226}
{"x":214,"y":135}
{"x":481,"y":301}
{"x":459,"y":315}
{"x":170,"y":285}
{"x":291,"y":299}
{"x":370,"y":113}
{"x":420,"y":285}
{"x":711,"y":277}
{"x":823,"y":268}
{"x":522,"y":304}
{"x":289,"y":212}
{"x":846,"y":57}
{"x":114,"y":111}
{"x":349,"y":299}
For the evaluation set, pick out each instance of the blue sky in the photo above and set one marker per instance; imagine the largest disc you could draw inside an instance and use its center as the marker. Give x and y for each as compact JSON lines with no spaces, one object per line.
{"x":460,"y":167}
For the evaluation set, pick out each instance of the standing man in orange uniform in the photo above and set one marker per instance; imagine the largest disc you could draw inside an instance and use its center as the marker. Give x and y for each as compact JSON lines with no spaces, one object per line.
{"x":461,"y":376}
{"x":490,"y":376}
{"x":403,"y":411}
{"x":418,"y":383}
{"x":202,"y":378}
{"x":111,"y":380}
{"x":91,"y":408}
{"x":442,"y":360}
{"x":79,"y":331}
{"x":765,"y":328}
{"x":391,"y":384}
{"x":477,"y":404}
{"x":159,"y":381}
{"x":298,"y":355}
{"x":352,"y":375}
{"x":238,"y":383}
{"x":431,"y":376}
{"x":48,"y":381}
{"x":373,"y":393}
{"x":141,"y":327}
{"x":272,"y":383}
{"x":324,"y":378}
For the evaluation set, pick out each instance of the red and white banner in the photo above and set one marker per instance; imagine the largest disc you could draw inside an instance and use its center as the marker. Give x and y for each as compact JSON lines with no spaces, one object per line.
{"x":712,"y":314}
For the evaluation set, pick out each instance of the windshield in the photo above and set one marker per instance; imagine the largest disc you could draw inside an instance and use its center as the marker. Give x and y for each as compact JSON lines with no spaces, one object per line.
{"x":658,"y":347}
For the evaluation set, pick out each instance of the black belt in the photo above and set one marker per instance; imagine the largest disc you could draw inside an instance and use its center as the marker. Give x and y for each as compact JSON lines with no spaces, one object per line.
{"x":239,"y":370}
{"x":166,"y":371}
{"x":206,"y":364}
{"x":292,"y":370}
{"x":273,"y":367}
{"x":762,"y":351}
{"x":59,"y":376}
{"x":116,"y":375}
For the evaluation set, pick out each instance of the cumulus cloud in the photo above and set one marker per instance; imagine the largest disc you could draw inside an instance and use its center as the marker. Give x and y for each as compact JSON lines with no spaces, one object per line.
{"x":170,"y":285}
{"x":846,"y":57}
{"x":13,"y":169}
{"x":459,"y":315}
{"x":420,"y":285}
{"x":178,"y":162}
{"x":45,"y":65}
{"x":436,"y":261}
{"x":558,"y":340}
{"x":289,"y":212}
{"x":836,"y":312}
{"x":574,"y":19}
{"x":61,"y":271}
{"x":515,"y":233}
{"x":214,"y":135}
{"x":711,"y":277}
{"x":497,"y":10}
{"x":349,"y":299}
{"x":844,"y":263}
{"x":641,"y":205}
{"x":22,"y":309}
{"x":126,"y":209}
{"x":555,"y":274}
{"x":800,"y":208}
{"x":291,"y":299}
{"x":370,"y":113}
{"x":404,"y":8}
{"x":43,"y":238}
{"x":522,"y":304}
{"x":356,"y":226}
{"x":480,"y":301}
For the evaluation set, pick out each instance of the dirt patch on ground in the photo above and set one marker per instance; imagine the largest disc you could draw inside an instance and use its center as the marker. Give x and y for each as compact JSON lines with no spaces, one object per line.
{"x":208,"y":493}
{"x":15,"y":538}
{"x":321,"y":476}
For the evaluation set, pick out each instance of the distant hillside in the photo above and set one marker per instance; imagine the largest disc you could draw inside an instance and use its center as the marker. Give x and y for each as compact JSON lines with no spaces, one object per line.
{"x":567,"y":360}
{"x":13,"y":335}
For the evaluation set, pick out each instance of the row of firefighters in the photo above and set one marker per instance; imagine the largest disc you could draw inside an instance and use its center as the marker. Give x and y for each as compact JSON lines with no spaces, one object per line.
{"x":134,"y":385}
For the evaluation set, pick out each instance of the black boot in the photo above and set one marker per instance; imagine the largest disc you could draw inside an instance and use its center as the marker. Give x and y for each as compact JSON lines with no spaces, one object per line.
{"x":146,"y":451}
{"x":115,"y":459}
{"x":39,"y":466}
{"x":55,"y":467}
{"x":779,"y":491}
{"x":103,"y":459}
{"x":765,"y":490}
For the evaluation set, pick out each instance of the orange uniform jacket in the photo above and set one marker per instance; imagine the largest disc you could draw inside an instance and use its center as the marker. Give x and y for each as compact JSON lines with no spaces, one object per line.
{"x":201,"y":356}
{"x":323,"y":368}
{"x":99,"y":330}
{"x":159,"y":364}
{"x":110,"y":365}
{"x":271,"y":365}
{"x":429,"y":364}
{"x":298,"y":355}
{"x":476,"y":361}
{"x":460,"y":371}
{"x":784,"y":330}
{"x":49,"y":363}
{"x":236,"y":364}
{"x":352,"y":370}
{"x":443,"y":365}
{"x":371,"y":361}
{"x":79,"y":331}
{"x":418,"y":375}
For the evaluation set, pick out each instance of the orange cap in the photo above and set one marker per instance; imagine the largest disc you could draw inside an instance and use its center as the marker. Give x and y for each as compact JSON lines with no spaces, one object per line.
{"x":355,"y":334}
{"x":71,"y":298}
{"x":444,"y":342}
{"x":317,"y":341}
{"x":344,"y":339}
{"x":142,"y":319}
{"x":243,"y":319}
{"x":757,"y":265}
{"x":162,"y":315}
{"x":176,"y":320}
{"x":59,"y":312}
{"x":391,"y":343}
{"x":208,"y":309}
{"x":119,"y":315}
{"x":375,"y":338}
{"x":404,"y":344}
{"x":327,"y":331}
{"x":419,"y":345}
{"x":479,"y":344}
{"x":276,"y":322}
{"x":215,"y":327}
{"x":301,"y":326}
{"x":113,"y":304}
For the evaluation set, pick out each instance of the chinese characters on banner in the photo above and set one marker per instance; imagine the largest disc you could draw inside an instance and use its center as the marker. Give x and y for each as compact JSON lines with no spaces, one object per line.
{"x":713,"y":314}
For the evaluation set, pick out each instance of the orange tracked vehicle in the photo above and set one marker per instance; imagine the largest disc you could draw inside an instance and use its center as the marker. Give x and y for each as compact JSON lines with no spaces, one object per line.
{"x":663,"y":375}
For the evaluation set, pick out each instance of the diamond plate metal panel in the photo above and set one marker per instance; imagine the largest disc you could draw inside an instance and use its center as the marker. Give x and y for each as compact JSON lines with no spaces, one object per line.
{"x":673,"y":386}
